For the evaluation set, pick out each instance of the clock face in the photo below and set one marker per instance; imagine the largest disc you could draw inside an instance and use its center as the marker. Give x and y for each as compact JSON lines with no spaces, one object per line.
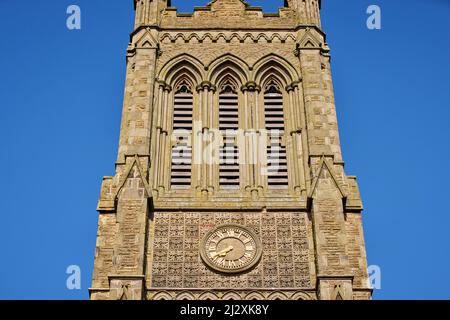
{"x":231,"y":249}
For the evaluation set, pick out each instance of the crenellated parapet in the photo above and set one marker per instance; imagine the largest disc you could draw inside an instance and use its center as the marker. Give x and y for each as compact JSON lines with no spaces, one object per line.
{"x":222,"y":14}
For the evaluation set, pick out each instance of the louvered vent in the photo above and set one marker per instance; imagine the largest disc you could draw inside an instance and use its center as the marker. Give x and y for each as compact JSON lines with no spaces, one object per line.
{"x":277,"y":175}
{"x":229,"y":153}
{"x":182,"y":129}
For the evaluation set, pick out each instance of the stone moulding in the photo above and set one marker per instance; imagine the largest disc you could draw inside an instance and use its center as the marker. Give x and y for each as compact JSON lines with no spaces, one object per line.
{"x":136,"y":163}
{"x":325,"y":165}
{"x":206,"y":72}
{"x":216,"y":37}
{"x":108,"y":203}
{"x":231,"y":294}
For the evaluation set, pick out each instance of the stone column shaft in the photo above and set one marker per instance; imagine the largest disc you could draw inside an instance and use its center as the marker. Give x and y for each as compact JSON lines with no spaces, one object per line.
{"x":206,"y":169}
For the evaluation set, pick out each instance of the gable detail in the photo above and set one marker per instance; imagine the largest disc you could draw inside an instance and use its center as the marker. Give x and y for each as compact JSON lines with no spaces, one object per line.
{"x":134,"y":171}
{"x":325,"y":167}
{"x":307,"y":39}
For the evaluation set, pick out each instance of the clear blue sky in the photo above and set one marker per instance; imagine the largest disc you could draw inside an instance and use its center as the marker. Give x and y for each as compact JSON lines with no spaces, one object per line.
{"x":60,"y":105}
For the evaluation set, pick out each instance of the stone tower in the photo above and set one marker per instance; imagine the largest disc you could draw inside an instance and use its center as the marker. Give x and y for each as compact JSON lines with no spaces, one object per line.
{"x":229,"y":181}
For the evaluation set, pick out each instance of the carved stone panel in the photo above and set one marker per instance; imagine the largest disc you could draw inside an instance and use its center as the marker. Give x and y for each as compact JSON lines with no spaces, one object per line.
{"x":285,"y":251}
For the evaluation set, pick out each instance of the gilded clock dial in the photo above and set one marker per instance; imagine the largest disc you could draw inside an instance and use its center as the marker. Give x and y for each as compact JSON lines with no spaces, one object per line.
{"x":231,"y":248}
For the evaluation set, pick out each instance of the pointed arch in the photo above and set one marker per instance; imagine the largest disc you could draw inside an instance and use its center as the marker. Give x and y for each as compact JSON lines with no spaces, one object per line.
{"x":208,"y":36}
{"x":275,"y":65}
{"x":185,"y":296}
{"x":301,"y":296}
{"x":228,"y":64}
{"x":228,"y":82}
{"x":165,"y":36}
{"x":278,"y":296}
{"x":291,"y":37}
{"x":249,"y":35}
{"x":276,"y":36}
{"x":183,"y":83}
{"x":221,"y":35}
{"x":272,"y":84}
{"x":235,"y":35}
{"x":162,"y":296}
{"x":208,"y":296}
{"x":232,"y":296}
{"x":194,"y":35}
{"x":180,"y":35}
{"x":263,"y":35}
{"x":203,"y":37}
{"x":254,"y":296}
{"x":182,"y":64}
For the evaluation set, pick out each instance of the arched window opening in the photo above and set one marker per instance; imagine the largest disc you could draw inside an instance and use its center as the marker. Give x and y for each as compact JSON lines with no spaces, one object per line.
{"x":182,"y":132}
{"x":229,"y":126}
{"x":277,"y":173}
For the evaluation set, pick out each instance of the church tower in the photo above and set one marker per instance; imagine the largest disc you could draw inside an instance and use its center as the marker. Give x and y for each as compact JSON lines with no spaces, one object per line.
{"x":229,"y":180}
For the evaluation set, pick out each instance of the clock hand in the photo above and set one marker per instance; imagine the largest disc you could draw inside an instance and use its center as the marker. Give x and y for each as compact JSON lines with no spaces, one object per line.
{"x":223,"y":253}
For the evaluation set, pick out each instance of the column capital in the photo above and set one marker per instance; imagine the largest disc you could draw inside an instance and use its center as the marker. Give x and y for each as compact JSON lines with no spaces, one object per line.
{"x":294,"y":85}
{"x":206,"y":85}
{"x":163,"y":85}
{"x":251,"y":86}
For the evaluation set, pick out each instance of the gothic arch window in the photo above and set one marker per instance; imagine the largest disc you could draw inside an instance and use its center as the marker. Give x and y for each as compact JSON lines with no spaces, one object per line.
{"x":277,"y":167}
{"x":181,"y":166}
{"x":229,"y":126}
